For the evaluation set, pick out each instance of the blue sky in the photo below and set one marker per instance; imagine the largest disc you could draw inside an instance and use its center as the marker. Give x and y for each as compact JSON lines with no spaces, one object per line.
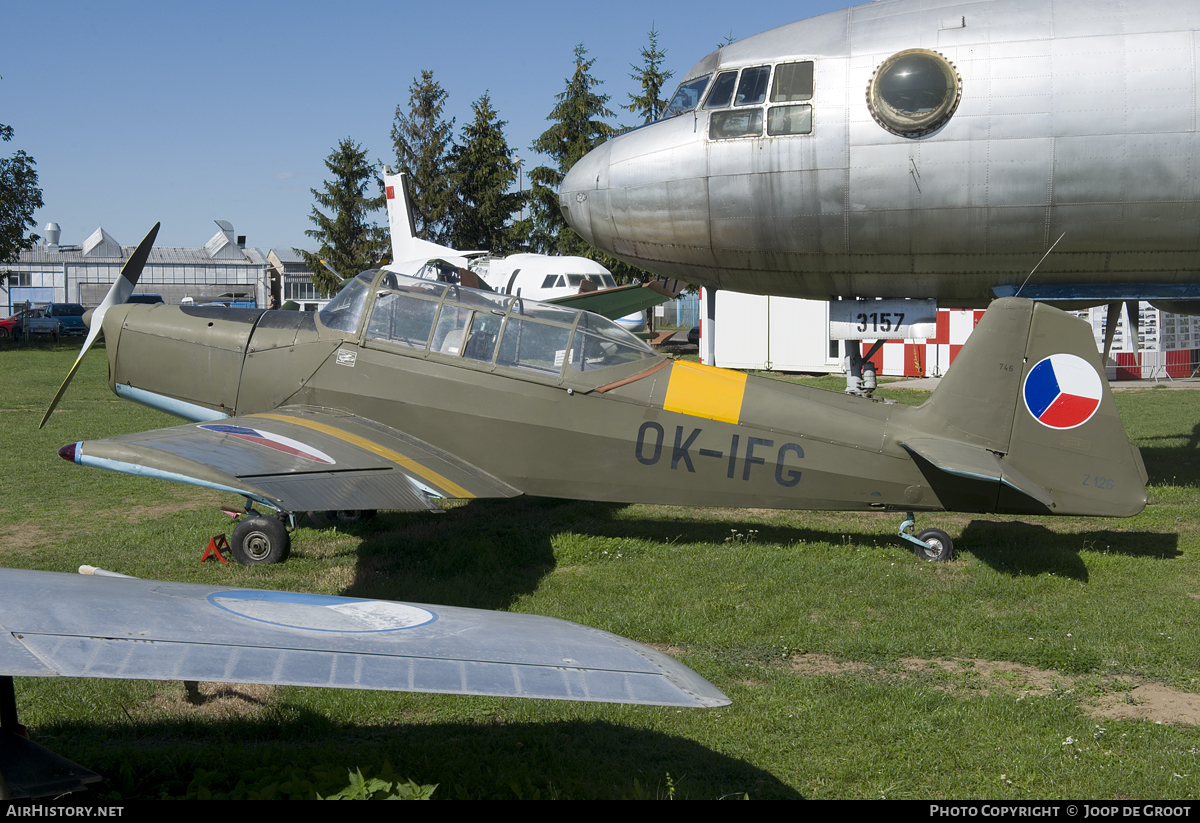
{"x":184,"y":113}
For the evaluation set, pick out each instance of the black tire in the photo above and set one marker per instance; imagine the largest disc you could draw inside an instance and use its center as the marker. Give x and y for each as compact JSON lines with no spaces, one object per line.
{"x":942,"y":547}
{"x":260,"y":540}
{"x":4,"y":333}
{"x":352,"y":515}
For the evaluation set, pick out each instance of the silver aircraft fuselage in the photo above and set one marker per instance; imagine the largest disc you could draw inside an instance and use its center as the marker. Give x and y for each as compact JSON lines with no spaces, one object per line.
{"x":1073,"y":117}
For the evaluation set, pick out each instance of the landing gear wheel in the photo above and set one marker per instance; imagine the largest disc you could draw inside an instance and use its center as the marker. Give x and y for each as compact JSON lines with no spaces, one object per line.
{"x":258,"y":539}
{"x":941,"y":546}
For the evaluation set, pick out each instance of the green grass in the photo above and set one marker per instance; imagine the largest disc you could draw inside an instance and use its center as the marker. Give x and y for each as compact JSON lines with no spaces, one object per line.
{"x":856,"y":671}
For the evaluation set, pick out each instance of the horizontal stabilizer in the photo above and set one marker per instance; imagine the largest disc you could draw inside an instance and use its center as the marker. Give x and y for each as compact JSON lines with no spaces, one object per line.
{"x":976,"y":463}
{"x":124,"y":628}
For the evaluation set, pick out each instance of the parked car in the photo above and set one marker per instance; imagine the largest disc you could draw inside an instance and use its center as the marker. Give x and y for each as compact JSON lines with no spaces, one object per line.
{"x":38,"y":320}
{"x":694,"y":336}
{"x":70,"y":315}
{"x":6,"y":326}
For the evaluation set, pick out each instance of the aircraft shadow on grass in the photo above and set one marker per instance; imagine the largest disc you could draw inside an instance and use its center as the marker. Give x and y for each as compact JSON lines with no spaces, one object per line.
{"x":1172,"y":465}
{"x":487,"y":553}
{"x":567,"y":758}
{"x":1026,"y":549}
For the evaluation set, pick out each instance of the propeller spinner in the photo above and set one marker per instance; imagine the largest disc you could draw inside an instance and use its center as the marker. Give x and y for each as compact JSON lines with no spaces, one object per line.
{"x":118,"y":294}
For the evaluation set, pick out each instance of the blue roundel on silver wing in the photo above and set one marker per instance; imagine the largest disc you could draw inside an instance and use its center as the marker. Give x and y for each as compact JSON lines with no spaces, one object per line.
{"x":320,"y":612}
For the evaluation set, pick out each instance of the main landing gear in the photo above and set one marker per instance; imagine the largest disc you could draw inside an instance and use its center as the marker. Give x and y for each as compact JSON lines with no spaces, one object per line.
{"x":931,"y":544}
{"x":261,"y":538}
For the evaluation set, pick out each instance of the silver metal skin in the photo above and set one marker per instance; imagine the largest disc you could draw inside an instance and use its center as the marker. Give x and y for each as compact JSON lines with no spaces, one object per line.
{"x":1075,"y":117}
{"x":54,"y":625}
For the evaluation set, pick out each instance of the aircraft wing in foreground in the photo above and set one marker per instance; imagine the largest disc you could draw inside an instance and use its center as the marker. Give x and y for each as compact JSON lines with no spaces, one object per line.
{"x":62,"y":625}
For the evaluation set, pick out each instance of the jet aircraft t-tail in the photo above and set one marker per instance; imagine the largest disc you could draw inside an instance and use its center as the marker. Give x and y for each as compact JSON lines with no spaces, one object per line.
{"x":569,"y":281}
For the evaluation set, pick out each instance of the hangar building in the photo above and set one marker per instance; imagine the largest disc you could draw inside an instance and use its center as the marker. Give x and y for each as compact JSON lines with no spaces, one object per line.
{"x":223,"y":268}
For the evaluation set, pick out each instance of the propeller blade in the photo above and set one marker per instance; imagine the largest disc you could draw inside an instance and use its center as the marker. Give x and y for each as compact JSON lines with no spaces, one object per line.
{"x":119,"y":293}
{"x":334,"y":271}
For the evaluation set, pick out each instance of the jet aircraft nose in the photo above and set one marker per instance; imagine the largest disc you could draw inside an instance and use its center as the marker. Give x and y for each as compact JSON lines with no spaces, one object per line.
{"x":583,"y":195}
{"x":643,"y":197}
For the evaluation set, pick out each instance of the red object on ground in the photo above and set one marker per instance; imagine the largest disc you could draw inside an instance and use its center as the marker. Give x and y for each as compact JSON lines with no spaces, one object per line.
{"x":215,"y":544}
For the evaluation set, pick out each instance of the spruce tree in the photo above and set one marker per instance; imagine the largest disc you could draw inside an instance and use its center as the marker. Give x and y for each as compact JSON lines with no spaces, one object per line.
{"x":20,"y":197}
{"x":577,"y":127}
{"x":649,"y":105}
{"x":423,"y":141}
{"x":349,"y":241}
{"x":482,"y":172}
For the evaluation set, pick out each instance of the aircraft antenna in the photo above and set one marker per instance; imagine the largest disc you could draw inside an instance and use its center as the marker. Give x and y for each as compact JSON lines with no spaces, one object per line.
{"x":1035,"y":268}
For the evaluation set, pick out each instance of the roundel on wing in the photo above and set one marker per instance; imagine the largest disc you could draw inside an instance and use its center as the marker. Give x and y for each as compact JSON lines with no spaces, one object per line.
{"x":1062,"y":391}
{"x":321,"y":612}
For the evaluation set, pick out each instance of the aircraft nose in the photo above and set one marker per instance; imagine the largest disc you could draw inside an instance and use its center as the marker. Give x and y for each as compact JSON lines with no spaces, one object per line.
{"x":577,"y":194}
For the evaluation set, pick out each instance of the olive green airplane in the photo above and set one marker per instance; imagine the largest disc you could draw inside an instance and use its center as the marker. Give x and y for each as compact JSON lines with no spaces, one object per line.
{"x":403,"y":391}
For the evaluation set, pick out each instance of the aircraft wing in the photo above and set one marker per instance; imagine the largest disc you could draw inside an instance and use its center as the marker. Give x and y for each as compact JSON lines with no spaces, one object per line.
{"x":70,"y":625}
{"x":622,"y":300}
{"x":297,"y":458}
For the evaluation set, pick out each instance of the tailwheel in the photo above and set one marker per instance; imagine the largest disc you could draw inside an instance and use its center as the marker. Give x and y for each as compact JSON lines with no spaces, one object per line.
{"x":931,"y":544}
{"x":941,"y":547}
{"x":258,"y":539}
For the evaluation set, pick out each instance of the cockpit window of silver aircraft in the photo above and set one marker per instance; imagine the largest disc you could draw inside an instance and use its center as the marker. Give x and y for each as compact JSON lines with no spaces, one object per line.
{"x":722,"y":90}
{"x":686,"y":97}
{"x":793,"y":82}
{"x":752,"y":90}
{"x":725,"y":125}
{"x":783,"y":120}
{"x":914,"y":92}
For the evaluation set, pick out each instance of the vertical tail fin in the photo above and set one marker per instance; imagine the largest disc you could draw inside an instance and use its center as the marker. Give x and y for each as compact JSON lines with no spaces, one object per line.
{"x":399,"y":212}
{"x":1026,"y":406}
{"x":406,"y":246}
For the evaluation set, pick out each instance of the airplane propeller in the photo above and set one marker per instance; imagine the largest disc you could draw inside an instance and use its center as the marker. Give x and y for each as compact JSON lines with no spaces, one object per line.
{"x":118,"y":294}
